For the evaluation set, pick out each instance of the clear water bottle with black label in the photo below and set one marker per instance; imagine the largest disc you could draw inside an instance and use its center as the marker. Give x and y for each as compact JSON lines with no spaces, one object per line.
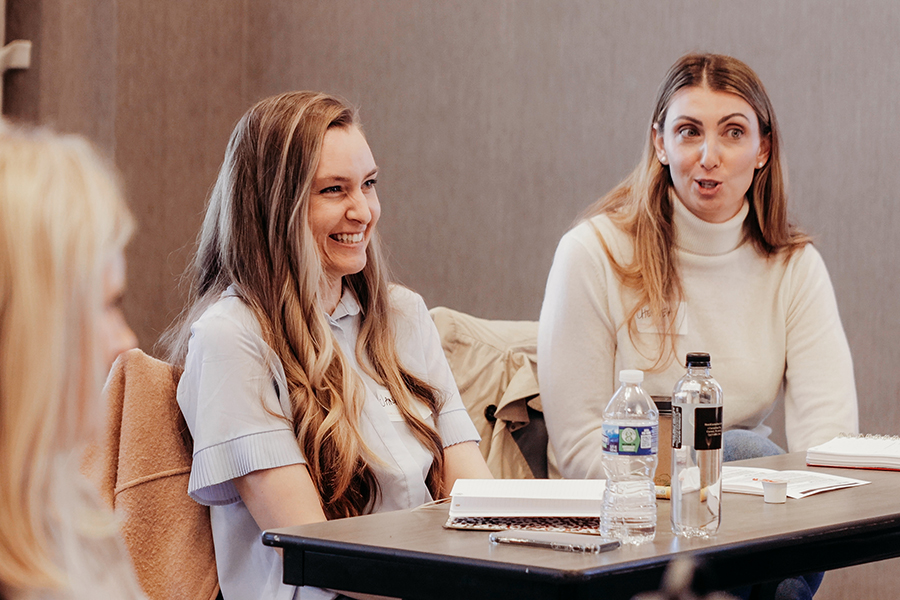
{"x":696,"y":450}
{"x":630,"y":446}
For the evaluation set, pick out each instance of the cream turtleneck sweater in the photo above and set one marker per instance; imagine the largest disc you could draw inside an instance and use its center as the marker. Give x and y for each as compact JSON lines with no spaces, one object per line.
{"x":770,"y":326}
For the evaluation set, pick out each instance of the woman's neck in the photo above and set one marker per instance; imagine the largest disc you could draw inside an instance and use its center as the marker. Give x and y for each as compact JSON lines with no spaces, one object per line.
{"x":330,"y":291}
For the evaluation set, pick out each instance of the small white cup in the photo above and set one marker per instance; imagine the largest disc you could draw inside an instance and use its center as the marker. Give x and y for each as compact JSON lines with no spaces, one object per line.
{"x":774,"y":490}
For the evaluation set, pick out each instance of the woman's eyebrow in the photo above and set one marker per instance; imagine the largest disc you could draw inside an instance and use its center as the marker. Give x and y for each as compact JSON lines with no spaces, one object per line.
{"x":340,"y":178}
{"x":343,"y":179}
{"x":722,"y":120}
{"x":732,"y":115}
{"x":689,"y":119}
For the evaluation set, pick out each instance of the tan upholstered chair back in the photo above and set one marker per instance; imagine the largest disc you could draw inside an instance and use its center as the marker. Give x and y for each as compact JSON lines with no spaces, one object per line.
{"x":142,"y":465}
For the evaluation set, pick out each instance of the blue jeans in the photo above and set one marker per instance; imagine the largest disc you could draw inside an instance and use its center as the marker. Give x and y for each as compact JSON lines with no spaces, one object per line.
{"x":739,"y":444}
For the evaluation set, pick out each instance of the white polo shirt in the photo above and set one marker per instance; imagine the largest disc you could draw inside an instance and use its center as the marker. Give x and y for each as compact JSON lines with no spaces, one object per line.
{"x":233,"y":396}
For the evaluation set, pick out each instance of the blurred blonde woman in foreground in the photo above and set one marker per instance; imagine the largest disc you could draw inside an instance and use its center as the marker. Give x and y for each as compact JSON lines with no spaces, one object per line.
{"x":63,"y":227}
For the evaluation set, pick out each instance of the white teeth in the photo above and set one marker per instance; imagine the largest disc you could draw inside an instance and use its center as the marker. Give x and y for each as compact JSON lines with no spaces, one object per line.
{"x":707,"y":184}
{"x":349,"y":238}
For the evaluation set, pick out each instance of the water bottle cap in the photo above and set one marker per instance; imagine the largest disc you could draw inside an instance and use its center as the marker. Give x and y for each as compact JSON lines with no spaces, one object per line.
{"x":697,"y":359}
{"x":631,"y":376}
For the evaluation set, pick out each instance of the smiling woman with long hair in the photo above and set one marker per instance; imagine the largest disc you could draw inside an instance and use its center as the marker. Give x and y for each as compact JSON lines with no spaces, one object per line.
{"x":313,"y":387}
{"x":63,"y":227}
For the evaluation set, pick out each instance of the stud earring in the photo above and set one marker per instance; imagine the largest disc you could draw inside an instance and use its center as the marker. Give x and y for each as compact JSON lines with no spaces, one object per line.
{"x":663,"y":159}
{"x":760,"y":165}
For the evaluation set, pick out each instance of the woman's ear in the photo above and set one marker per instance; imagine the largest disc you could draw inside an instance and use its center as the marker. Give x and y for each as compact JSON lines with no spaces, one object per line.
{"x":657,"y":137}
{"x":765,"y":146}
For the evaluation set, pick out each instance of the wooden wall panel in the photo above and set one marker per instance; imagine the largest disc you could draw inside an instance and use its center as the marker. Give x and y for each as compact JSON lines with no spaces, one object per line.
{"x":159,"y":86}
{"x":474,"y":114}
{"x":180,"y":90}
{"x":72,"y":80}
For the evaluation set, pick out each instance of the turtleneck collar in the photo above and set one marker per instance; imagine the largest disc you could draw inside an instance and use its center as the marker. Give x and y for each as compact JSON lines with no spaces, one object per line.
{"x":694,"y":235}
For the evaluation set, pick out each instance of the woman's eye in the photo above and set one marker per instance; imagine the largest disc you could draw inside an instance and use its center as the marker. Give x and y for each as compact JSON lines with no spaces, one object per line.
{"x":735,"y":133}
{"x":370,"y":183}
{"x":688,"y":132}
{"x":331,"y":190}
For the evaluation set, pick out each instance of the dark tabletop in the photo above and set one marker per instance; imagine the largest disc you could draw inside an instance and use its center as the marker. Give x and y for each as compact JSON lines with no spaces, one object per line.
{"x":409,"y":554}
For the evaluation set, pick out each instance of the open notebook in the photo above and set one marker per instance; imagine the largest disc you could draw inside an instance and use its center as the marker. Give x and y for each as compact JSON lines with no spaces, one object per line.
{"x":547,"y":504}
{"x":864,"y":451}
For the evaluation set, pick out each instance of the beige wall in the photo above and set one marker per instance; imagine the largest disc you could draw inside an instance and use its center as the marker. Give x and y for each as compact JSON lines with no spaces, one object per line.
{"x":495,"y":123}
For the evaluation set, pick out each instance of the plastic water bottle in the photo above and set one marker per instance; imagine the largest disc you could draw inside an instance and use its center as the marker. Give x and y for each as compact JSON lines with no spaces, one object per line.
{"x":630,"y":445}
{"x":696,"y":450}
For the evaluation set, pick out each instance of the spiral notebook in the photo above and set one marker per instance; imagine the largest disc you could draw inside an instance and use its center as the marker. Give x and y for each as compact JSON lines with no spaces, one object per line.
{"x":864,"y":451}
{"x":548,"y":504}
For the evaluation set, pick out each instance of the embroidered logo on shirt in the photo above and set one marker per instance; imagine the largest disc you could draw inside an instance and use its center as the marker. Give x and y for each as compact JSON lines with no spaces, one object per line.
{"x":388,"y":404}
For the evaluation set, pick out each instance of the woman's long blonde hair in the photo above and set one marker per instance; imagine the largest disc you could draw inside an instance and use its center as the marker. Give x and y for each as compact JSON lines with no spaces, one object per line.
{"x":256,"y":237}
{"x":62,"y":221}
{"x":641,"y":205}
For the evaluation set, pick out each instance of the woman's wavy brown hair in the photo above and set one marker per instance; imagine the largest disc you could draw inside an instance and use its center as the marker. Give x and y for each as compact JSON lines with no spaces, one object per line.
{"x":256,"y":237}
{"x":641,"y":205}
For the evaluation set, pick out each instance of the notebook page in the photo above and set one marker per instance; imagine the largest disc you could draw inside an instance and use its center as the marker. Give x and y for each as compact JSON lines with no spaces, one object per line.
{"x":874,"y":451}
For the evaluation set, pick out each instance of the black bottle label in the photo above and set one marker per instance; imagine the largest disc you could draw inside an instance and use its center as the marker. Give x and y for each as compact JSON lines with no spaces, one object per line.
{"x":708,"y":428}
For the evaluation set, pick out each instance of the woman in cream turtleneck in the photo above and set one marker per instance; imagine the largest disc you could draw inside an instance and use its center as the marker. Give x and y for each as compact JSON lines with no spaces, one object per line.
{"x":693,"y":252}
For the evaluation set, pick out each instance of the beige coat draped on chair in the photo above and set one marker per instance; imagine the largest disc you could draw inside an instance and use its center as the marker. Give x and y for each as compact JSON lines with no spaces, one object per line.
{"x":494,"y":364}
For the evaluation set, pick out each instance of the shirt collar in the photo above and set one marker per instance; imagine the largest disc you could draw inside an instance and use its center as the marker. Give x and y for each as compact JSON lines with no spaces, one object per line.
{"x":694,"y":235}
{"x":347,"y":307}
